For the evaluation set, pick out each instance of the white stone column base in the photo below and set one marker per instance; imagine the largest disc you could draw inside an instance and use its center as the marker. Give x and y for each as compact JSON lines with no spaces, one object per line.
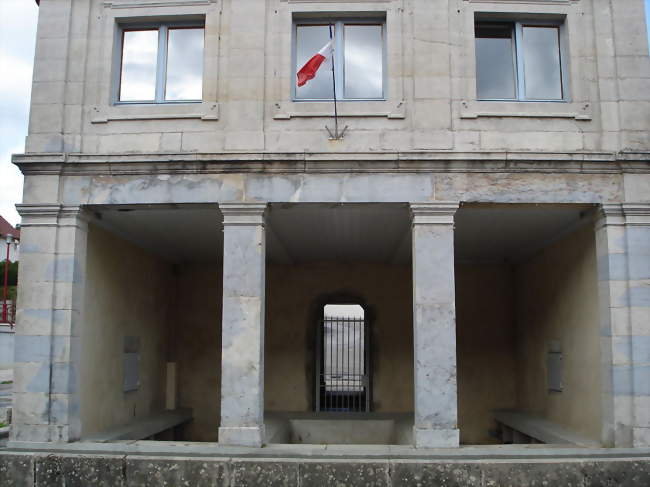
{"x":242,"y":435}
{"x":436,"y":438}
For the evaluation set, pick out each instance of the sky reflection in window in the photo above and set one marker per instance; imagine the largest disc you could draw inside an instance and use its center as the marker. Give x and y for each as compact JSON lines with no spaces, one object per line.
{"x":139,"y":56}
{"x":184,"y":64}
{"x":364,"y":61}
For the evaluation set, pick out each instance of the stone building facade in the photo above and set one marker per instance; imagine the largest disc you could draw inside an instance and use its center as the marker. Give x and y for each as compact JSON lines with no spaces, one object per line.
{"x":488,"y":206}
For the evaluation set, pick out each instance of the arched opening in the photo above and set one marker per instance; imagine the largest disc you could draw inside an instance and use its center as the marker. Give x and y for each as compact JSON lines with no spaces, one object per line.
{"x":343,"y":359}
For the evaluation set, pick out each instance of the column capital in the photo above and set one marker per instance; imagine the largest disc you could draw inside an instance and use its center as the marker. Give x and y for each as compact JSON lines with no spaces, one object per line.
{"x":435,"y":213}
{"x":243,"y":213}
{"x":52,"y":214}
{"x":609,"y":214}
{"x":637,"y":213}
{"x":629,"y":214}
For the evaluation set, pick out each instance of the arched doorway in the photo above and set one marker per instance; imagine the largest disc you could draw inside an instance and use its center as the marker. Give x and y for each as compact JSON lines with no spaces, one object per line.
{"x":343,"y":359}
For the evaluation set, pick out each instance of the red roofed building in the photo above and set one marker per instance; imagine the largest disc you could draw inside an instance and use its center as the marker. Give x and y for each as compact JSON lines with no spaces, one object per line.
{"x":7,"y":228}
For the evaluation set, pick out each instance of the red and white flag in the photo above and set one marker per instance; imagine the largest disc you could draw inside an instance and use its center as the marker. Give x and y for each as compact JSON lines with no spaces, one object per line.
{"x":308,"y":71}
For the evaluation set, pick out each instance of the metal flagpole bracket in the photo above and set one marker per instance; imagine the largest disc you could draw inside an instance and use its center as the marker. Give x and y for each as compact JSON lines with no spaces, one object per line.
{"x":336,"y":135}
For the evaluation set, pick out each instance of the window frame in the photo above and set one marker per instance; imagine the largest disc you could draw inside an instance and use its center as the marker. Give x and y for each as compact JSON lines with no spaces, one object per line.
{"x":161,"y":60}
{"x":517,"y":26}
{"x":338,"y":24}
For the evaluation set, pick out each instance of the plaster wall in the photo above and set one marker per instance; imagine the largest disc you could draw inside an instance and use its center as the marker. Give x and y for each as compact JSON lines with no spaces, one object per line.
{"x":485,"y":331}
{"x":293,"y":293}
{"x":196,"y":347}
{"x":127,"y":294}
{"x":557,"y":300}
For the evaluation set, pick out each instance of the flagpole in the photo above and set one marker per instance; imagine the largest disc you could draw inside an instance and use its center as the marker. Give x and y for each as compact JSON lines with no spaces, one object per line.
{"x":336,"y":135}
{"x":336,"y":113}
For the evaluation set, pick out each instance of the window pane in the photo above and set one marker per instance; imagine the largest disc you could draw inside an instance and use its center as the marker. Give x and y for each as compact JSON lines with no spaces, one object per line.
{"x":184,"y":64}
{"x":542,"y":73}
{"x":495,"y":66}
{"x":139,"y":55}
{"x":309,"y":40}
{"x":364,"y":59}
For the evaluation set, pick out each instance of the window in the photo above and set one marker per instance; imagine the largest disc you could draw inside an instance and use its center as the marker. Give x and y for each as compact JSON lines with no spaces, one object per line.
{"x":519,"y":61}
{"x":160,"y":64}
{"x":359,"y":52}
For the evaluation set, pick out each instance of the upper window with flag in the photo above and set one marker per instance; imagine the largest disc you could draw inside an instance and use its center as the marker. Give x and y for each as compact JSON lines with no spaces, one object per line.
{"x":159,"y":63}
{"x":342,"y":59}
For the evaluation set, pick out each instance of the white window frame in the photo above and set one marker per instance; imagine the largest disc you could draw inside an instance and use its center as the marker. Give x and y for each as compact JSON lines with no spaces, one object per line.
{"x":518,"y":58}
{"x":339,"y":50}
{"x":161,"y":61}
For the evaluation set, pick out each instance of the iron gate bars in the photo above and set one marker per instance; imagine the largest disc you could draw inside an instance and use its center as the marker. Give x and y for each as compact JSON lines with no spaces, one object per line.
{"x":342,"y":363}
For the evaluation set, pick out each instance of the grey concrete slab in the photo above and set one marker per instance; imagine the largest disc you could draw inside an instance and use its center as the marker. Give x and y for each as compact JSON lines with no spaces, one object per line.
{"x":79,"y":470}
{"x":157,"y":471}
{"x":315,"y":474}
{"x":447,"y":474}
{"x":16,"y":469}
{"x":262,"y":473}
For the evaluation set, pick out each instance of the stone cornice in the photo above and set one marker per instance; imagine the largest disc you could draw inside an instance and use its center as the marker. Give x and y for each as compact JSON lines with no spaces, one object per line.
{"x":371,"y":162}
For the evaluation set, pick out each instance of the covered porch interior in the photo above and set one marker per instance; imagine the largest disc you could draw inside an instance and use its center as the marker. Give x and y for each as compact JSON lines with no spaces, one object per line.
{"x":526,"y":313}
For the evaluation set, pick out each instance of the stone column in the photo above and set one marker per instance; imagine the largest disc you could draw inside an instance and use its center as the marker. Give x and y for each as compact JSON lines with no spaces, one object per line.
{"x":434,"y":325}
{"x":242,"y":354}
{"x":50,"y":305}
{"x":623,"y":250}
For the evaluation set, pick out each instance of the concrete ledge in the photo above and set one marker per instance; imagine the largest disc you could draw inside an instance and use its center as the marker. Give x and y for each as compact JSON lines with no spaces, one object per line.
{"x":541,"y":429}
{"x":340,"y":452}
{"x":41,"y":470}
{"x":144,"y":427}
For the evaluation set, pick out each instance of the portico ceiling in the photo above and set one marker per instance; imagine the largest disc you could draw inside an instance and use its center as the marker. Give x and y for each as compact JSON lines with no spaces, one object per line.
{"x":300,"y":233}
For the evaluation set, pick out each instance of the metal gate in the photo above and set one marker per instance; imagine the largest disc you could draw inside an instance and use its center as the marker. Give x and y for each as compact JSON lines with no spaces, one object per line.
{"x":342,"y":375}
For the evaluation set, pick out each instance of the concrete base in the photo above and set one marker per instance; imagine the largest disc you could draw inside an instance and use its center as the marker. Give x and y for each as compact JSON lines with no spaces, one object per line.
{"x":339,"y":428}
{"x":242,"y":436}
{"x":436,"y":438}
{"x":235,"y":468}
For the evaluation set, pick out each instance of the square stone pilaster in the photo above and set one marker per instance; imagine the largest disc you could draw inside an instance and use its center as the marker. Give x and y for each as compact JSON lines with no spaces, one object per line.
{"x":623,"y":251}
{"x":242,"y":356}
{"x":50,"y":306}
{"x":637,"y":224}
{"x":434,"y":325}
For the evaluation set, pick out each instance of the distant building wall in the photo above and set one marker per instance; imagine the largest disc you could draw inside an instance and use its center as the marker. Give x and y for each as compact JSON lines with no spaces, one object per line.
{"x":6,"y":346}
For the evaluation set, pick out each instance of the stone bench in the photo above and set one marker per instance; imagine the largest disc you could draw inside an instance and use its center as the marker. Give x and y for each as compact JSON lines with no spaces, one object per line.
{"x":519,"y":427}
{"x":145,"y":427}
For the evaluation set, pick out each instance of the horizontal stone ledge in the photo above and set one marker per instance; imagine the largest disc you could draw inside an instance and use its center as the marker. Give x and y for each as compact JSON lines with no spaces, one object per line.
{"x":432,"y":155}
{"x":163,"y":449}
{"x":140,"y":164}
